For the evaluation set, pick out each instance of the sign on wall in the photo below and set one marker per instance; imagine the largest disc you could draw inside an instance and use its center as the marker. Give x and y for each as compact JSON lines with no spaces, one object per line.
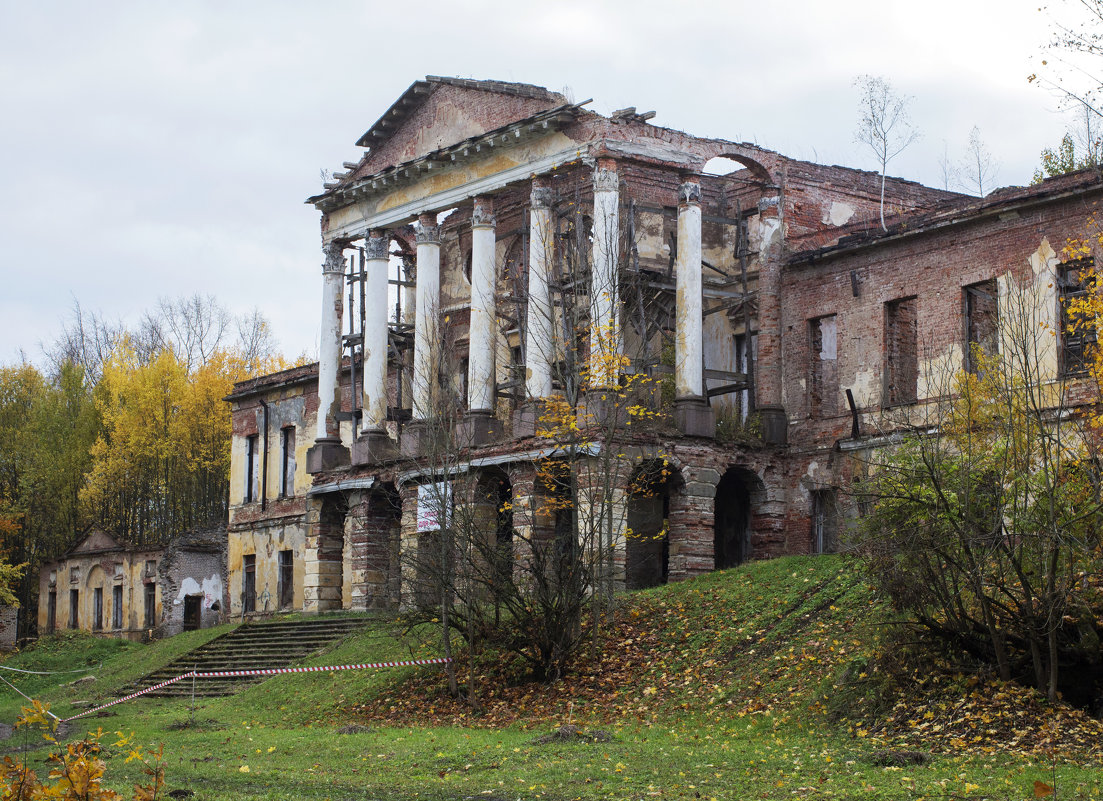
{"x":434,"y":506}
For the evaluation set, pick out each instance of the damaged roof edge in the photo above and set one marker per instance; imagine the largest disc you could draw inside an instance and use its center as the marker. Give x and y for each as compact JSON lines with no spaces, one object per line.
{"x":449,"y":153}
{"x":957,"y":212}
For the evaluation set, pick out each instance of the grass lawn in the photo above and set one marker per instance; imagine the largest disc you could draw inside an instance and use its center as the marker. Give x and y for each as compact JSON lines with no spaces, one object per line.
{"x":715,"y":688}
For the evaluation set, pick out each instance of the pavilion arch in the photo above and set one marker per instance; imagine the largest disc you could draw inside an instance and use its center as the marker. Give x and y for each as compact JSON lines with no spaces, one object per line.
{"x":758,"y":170}
{"x":492,"y":508}
{"x":652,"y":486}
{"x":739,"y":493}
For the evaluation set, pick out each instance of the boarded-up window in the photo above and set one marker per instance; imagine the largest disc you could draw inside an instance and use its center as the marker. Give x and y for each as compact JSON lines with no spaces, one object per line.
{"x":824,"y":378}
{"x":901,"y":352}
{"x":982,"y":321}
{"x":1076,"y":341}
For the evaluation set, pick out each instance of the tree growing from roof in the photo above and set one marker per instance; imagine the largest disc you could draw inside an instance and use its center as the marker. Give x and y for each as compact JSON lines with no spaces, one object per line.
{"x":883,"y":124}
{"x":978,"y":169}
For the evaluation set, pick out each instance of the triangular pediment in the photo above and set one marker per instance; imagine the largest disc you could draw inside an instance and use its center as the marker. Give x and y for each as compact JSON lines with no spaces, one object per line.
{"x":96,"y":541}
{"x":439,"y":112}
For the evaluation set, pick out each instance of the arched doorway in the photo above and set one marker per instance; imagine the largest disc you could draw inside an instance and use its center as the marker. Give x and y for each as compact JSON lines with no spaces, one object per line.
{"x":647,"y":548}
{"x":737,"y":493}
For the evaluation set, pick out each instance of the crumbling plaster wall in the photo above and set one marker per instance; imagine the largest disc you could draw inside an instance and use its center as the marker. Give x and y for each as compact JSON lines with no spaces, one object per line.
{"x":105,"y":570}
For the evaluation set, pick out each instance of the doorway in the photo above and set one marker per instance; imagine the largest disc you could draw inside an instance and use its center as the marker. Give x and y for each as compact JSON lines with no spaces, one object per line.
{"x":193,"y":610}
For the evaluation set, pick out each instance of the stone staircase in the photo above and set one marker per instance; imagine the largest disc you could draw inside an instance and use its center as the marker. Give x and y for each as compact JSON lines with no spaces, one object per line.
{"x":248,"y":647}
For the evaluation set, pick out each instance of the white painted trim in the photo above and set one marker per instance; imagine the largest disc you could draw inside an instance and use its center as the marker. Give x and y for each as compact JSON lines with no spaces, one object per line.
{"x":456,"y":195}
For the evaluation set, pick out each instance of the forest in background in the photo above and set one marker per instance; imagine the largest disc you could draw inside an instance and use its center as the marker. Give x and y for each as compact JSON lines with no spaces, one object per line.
{"x":122,"y":429}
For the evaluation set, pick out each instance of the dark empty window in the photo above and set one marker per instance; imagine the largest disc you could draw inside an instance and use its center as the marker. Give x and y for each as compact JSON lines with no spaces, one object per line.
{"x":151,"y":605}
{"x":249,"y":583}
{"x":74,"y":607}
{"x":51,"y":612}
{"x":824,"y":374}
{"x":824,"y":521}
{"x":901,"y":352}
{"x":1076,"y":340}
{"x":286,"y":579}
{"x":97,"y":608}
{"x":982,"y":321}
{"x":117,"y":606}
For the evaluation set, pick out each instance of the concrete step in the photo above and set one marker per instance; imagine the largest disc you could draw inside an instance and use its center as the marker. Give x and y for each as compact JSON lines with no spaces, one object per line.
{"x":253,"y":646}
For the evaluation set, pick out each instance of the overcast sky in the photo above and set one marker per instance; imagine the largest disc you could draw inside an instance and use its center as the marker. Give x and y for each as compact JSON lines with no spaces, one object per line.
{"x":153,"y":149}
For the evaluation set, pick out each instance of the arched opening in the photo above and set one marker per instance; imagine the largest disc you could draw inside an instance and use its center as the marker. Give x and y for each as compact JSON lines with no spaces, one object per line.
{"x":330,"y":557}
{"x":737,"y":493}
{"x":647,"y":547}
{"x":384,"y":525}
{"x":494,"y":502}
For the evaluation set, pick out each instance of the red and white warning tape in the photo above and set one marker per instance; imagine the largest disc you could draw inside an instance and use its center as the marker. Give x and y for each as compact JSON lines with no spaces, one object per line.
{"x":273,"y":671}
{"x":260,"y":672}
{"x":127,"y":698}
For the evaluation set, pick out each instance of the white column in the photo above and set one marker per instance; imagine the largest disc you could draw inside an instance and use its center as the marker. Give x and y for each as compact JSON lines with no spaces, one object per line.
{"x":377,"y":253}
{"x":329,"y":348}
{"x":688,"y":356}
{"x":540,"y":323}
{"x":605,"y":345}
{"x":425,"y":317}
{"x":480,"y":359}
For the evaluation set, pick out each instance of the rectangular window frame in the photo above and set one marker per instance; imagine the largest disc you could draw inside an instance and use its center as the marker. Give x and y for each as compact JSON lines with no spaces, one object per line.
{"x":287,"y":461}
{"x":823,"y":373}
{"x":117,"y":606}
{"x":972,"y":296}
{"x":251,"y":468}
{"x":1074,"y":353}
{"x":901,"y":369}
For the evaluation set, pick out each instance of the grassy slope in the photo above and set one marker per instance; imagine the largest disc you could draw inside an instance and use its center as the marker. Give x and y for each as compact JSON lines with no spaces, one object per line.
{"x":710,"y":688}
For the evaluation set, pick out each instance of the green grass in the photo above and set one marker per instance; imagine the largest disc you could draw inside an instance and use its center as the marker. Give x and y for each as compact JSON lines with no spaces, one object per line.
{"x":739,"y":663}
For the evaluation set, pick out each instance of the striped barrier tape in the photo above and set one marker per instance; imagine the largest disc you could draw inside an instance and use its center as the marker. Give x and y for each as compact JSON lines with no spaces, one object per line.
{"x":273,"y":671}
{"x":127,"y":698}
{"x":260,"y":672}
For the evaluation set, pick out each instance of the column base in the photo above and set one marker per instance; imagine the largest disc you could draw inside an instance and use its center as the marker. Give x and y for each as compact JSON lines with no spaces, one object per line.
{"x":327,"y":454}
{"x":526,"y":418}
{"x":373,"y":446}
{"x":478,"y":427}
{"x":694,"y":417}
{"x":414,"y":441}
{"x":603,"y":408}
{"x":775,"y":424}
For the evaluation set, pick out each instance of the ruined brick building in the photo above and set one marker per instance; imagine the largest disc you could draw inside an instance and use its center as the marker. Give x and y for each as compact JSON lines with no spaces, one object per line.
{"x":776,"y":318}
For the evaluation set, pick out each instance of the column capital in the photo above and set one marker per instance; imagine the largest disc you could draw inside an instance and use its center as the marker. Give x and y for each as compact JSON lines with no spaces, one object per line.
{"x":482,"y":213}
{"x":377,"y":245}
{"x":689,"y":192}
{"x":605,"y":176}
{"x":427,"y":232}
{"x":335,"y":258}
{"x":542,"y":195}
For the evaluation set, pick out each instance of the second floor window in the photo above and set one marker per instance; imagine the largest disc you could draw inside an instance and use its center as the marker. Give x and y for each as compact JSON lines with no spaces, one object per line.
{"x":287,"y":462}
{"x":824,"y":375}
{"x":982,"y":321}
{"x":251,"y":468}
{"x":1076,"y":341}
{"x":901,"y":352}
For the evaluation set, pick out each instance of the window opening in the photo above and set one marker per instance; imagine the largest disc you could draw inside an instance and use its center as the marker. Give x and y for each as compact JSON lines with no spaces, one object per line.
{"x":824,"y":395}
{"x":901,"y":351}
